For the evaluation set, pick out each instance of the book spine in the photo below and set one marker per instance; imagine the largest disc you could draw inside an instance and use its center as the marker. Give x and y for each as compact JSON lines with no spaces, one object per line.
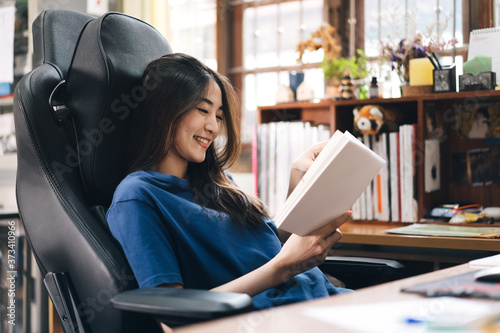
{"x":414,"y":201}
{"x":367,"y":140}
{"x":394,"y":175}
{"x":402,"y":169}
{"x":263,"y":162}
{"x":271,"y":176}
{"x":255,"y":160}
{"x":386,"y":213}
{"x":399,"y":177}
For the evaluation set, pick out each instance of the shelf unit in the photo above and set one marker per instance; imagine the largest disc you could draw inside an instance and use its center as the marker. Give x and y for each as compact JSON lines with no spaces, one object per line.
{"x":445,"y":107}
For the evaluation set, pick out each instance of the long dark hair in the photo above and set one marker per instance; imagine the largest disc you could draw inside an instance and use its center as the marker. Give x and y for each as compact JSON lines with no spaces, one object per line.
{"x":175,"y":85}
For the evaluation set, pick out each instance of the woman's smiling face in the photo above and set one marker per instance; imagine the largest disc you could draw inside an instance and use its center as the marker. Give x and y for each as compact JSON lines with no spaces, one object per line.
{"x":198,"y":129}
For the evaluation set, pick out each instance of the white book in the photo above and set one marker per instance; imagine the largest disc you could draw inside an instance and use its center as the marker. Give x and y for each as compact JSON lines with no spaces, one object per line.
{"x":314,"y":134}
{"x":414,"y":175}
{"x":382,"y":181}
{"x":367,"y":140}
{"x":330,"y":187}
{"x":271,"y":174}
{"x":402,"y":173}
{"x":295,"y":136}
{"x":394,"y":175}
{"x":362,"y":197}
{"x":262,"y":142}
{"x":324,"y":132}
{"x":408,"y":170}
{"x":281,"y":174}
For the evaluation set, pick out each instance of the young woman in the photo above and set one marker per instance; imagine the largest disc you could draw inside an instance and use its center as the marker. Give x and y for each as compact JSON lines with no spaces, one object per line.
{"x":179,"y":217}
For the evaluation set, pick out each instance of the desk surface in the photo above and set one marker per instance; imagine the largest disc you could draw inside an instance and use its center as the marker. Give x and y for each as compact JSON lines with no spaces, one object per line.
{"x":373,"y":233}
{"x":290,"y":318}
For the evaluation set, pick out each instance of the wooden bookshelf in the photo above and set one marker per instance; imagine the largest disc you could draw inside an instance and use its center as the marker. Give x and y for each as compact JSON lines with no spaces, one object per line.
{"x":445,"y":107}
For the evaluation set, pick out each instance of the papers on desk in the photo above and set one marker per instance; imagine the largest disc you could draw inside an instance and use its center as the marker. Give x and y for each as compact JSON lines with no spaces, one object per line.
{"x":490,"y":261}
{"x":446,"y":231}
{"x":421,"y":315}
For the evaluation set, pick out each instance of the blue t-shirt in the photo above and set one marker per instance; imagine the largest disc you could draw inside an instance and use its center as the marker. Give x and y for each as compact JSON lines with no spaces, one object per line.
{"x":167,"y":238}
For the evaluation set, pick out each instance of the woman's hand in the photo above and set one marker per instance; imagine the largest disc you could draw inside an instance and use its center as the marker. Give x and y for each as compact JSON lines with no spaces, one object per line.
{"x":303,"y":163}
{"x":298,"y":254}
{"x":301,"y":253}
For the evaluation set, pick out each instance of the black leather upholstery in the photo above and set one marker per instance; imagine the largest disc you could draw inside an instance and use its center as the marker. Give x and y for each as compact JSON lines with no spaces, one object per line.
{"x":54,"y":206}
{"x":102,"y":91}
{"x":49,"y":29}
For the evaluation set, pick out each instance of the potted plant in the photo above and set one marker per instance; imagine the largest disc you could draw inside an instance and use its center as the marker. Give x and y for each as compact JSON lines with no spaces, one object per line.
{"x":355,"y":67}
{"x":400,"y":53}
{"x":334,"y":67}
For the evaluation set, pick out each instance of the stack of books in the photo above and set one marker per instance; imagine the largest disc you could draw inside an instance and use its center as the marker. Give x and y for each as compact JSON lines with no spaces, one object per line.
{"x":390,"y":196}
{"x":275,"y":146}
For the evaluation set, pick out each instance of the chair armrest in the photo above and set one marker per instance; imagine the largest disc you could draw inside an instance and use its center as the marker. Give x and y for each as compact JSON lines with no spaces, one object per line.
{"x":178,"y":307}
{"x":360,"y":265}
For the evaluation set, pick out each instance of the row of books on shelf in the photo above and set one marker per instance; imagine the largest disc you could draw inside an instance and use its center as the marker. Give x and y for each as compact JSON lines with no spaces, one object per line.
{"x":391,"y":196}
{"x":275,"y":146}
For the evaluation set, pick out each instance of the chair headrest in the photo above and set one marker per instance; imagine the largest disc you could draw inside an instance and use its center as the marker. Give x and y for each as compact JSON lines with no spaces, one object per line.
{"x":103,"y":89}
{"x":55,"y":35}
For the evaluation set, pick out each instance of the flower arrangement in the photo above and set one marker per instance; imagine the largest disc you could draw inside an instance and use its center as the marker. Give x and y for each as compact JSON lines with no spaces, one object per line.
{"x":334,"y":66}
{"x":409,"y":48}
{"x":322,"y":38}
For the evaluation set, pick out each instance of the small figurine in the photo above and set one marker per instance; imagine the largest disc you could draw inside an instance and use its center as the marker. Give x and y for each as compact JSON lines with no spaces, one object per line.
{"x":373,"y":119}
{"x":345,"y":88}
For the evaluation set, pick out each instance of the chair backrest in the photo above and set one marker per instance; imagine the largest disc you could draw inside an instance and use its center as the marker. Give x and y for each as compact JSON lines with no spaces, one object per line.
{"x":69,"y":162}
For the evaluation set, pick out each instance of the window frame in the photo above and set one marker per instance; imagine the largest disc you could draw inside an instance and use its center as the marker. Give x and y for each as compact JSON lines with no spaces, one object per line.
{"x":475,"y":15}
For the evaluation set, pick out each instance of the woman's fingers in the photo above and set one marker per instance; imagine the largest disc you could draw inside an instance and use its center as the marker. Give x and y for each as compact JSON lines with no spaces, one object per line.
{"x":305,"y":160}
{"x":317,"y":148}
{"x":335,"y":236}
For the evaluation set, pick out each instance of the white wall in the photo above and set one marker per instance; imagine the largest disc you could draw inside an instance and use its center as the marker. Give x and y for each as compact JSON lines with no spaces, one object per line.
{"x":8,"y":165}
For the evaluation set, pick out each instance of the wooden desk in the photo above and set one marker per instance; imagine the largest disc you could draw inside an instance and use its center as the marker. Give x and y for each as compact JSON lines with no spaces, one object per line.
{"x":369,"y":239}
{"x":290,"y":318}
{"x":373,"y":233}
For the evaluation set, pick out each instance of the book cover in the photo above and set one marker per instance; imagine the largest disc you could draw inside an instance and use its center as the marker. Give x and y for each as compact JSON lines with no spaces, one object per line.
{"x":263,"y":132}
{"x":335,"y":180}
{"x":271,"y":171}
{"x":367,"y":140}
{"x":394,"y":175}
{"x":381,"y":190}
{"x":255,"y":158}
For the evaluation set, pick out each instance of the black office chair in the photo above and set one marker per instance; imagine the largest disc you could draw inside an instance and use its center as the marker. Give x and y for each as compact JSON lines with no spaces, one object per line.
{"x":72,"y":115}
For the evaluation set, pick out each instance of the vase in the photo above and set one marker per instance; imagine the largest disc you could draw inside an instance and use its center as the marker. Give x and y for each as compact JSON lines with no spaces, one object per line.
{"x":296,"y":78}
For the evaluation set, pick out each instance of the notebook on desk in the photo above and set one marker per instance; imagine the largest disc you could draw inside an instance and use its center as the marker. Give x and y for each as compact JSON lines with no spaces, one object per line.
{"x":427,"y":229}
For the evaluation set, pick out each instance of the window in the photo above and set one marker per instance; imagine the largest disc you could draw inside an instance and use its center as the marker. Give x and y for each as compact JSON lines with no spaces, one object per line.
{"x":188,"y":25}
{"x":271,"y":31}
{"x":441,"y":18}
{"x":192,"y":29}
{"x":382,"y":20}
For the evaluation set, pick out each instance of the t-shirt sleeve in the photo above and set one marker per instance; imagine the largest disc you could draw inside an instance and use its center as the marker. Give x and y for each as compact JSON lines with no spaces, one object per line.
{"x":147,"y":244}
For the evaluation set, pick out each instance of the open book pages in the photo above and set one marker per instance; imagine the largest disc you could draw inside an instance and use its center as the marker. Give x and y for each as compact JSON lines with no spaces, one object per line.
{"x":335,"y":180}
